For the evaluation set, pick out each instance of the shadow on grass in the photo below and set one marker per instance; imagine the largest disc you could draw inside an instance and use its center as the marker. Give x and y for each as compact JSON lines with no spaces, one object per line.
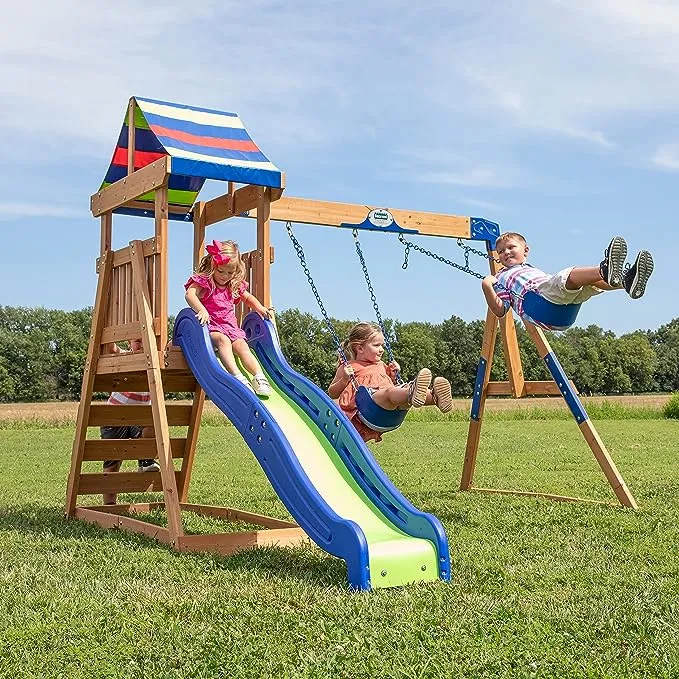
{"x":307,"y":563}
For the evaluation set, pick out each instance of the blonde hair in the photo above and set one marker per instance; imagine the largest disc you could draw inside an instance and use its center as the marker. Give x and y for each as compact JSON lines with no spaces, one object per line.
{"x":207,"y":266}
{"x":359,"y":335}
{"x":510,"y":234}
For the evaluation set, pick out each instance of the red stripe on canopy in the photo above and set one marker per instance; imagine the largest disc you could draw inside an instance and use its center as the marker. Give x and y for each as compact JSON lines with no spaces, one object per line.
{"x":212,"y":142}
{"x":141,"y":158}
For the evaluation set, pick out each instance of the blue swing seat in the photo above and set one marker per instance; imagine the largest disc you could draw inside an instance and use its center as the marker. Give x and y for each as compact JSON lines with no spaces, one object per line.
{"x":558,"y":316}
{"x":374,"y":416}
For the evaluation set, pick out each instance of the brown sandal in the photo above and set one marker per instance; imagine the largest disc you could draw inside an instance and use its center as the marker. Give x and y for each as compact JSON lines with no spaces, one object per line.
{"x":417,"y":392}
{"x":442,"y":395}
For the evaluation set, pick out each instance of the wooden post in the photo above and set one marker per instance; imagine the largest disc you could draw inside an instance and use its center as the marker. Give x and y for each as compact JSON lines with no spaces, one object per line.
{"x":131,"y":136}
{"x":90,"y":372}
{"x":106,"y":232}
{"x":191,"y":442}
{"x":161,"y":273}
{"x":590,"y":434}
{"x":153,"y":372}
{"x":483,"y":375}
{"x":263,"y":268}
{"x":198,"y":233}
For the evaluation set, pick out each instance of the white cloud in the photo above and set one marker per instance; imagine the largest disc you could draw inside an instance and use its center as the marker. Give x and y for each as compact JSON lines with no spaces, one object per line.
{"x":667,"y":157}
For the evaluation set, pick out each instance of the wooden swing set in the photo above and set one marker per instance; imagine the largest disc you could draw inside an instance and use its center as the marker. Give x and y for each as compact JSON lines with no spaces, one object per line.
{"x":131,"y":302}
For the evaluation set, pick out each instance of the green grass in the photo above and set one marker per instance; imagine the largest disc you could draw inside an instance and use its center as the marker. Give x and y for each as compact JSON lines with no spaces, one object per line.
{"x":540,"y":589}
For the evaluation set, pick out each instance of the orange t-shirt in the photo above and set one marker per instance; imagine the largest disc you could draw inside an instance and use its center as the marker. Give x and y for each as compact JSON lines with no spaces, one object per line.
{"x":371,"y":375}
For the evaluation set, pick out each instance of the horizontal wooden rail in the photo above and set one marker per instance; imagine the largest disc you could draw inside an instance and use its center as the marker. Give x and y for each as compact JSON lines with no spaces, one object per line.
{"x":233,"y":204}
{"x":228,"y":543}
{"x":106,"y":415}
{"x":229,"y":514}
{"x":326,"y":213}
{"x":532,"y":388}
{"x":126,"y":331}
{"x":173,"y":381}
{"x":129,"y":449}
{"x":126,"y":363}
{"x":547,"y":496}
{"x":132,"y":186}
{"x":122,"y":256}
{"x":110,"y":520}
{"x":121,"y":482}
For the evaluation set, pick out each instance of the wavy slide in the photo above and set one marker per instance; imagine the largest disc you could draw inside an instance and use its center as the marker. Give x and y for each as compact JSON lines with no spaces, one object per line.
{"x":319,"y":466}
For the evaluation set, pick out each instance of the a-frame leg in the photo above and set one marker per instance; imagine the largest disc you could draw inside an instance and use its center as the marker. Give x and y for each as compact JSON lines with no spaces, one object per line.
{"x":595,"y":443}
{"x":89,"y":374}
{"x":153,"y":371}
{"x":479,"y":400}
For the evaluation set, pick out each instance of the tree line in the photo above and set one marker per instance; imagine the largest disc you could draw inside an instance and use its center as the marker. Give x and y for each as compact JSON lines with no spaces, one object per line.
{"x":43,"y":351}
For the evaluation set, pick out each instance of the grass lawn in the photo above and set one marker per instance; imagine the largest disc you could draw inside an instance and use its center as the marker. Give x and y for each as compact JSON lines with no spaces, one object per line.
{"x":540,"y":588}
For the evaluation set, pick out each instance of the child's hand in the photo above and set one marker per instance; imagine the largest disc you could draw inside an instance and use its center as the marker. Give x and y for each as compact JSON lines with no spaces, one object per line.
{"x":203,"y":316}
{"x":266,"y":313}
{"x":490,"y":281}
{"x":348,"y":371}
{"x":395,"y":367}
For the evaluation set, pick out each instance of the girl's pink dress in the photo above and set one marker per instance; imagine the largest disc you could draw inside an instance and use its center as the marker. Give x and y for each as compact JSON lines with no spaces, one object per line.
{"x":374,"y":376}
{"x":220,"y":303}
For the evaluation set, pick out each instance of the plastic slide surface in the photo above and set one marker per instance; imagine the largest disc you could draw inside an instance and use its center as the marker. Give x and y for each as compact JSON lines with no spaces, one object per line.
{"x":318,"y":465}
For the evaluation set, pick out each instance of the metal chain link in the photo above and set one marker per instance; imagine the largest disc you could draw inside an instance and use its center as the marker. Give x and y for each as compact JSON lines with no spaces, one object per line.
{"x":373,"y":298}
{"x":328,"y":323}
{"x":466,"y":268}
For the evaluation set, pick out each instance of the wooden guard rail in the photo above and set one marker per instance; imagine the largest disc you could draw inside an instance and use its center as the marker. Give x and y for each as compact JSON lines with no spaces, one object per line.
{"x":249,"y":259}
{"x":121,"y":318}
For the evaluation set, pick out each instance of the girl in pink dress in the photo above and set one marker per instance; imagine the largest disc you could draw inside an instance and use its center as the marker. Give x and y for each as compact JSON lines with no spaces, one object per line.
{"x":364,"y":349}
{"x":213,"y":292}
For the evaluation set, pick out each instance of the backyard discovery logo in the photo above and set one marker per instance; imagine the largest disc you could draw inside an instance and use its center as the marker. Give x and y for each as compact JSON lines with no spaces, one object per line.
{"x":381,"y":218}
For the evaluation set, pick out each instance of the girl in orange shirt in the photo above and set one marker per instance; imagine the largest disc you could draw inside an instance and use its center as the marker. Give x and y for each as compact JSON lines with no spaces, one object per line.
{"x":364,"y":348}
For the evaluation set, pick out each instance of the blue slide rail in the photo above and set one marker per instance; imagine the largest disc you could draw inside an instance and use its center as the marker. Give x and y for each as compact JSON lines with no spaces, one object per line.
{"x":344,"y":438}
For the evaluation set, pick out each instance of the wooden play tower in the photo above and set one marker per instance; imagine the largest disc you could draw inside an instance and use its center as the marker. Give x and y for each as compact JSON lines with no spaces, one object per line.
{"x":158,"y":167}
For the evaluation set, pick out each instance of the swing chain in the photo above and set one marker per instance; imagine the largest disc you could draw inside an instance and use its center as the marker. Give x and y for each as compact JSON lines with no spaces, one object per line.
{"x":328,"y":323}
{"x":466,"y":268}
{"x":373,"y":298}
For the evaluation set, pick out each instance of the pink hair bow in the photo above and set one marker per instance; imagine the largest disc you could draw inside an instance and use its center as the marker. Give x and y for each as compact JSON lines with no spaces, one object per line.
{"x":216,"y":251}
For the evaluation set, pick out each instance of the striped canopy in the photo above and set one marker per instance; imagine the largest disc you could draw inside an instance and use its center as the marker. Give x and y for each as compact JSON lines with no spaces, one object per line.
{"x":203,"y":144}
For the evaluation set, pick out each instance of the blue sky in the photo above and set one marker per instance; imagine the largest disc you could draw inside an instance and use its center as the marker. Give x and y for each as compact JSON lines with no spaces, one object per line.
{"x":554,"y":118}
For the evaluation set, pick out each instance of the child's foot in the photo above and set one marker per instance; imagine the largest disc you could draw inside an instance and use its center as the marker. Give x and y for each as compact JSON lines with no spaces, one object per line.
{"x":611,"y":268}
{"x":148,"y":466}
{"x":261,"y":385}
{"x":637,"y":275}
{"x":442,"y":395}
{"x":244,"y":381}
{"x":417,"y":392}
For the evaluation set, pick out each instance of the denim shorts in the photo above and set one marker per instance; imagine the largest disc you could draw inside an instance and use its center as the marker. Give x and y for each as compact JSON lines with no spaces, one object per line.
{"x":127,"y":432}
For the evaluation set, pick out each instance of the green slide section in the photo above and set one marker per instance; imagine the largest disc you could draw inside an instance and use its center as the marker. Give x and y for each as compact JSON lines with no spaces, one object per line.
{"x":395,"y":558}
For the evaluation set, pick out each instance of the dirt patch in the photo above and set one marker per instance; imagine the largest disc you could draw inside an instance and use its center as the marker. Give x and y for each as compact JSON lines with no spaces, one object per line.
{"x":65,"y":412}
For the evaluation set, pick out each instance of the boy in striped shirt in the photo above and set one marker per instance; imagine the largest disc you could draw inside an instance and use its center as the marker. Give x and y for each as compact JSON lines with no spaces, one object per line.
{"x":573,"y":285}
{"x":123,"y":398}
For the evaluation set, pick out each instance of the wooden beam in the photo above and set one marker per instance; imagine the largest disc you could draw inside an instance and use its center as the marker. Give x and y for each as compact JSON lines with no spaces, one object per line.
{"x":229,"y":543}
{"x":120,"y":482}
{"x":548,"y":496}
{"x":127,"y":523}
{"x":148,"y":178}
{"x":137,"y":361}
{"x":128,"y":449}
{"x":191,"y":443}
{"x":326,"y":213}
{"x":126,"y":331}
{"x":160,"y":409}
{"x":173,"y":381}
{"x":262,"y":268}
{"x":131,"y":136}
{"x":198,"y":233}
{"x":103,"y":414}
{"x":160,"y":292}
{"x":531,"y":388}
{"x":231,"y":205}
{"x":229,"y":514}
{"x":106,"y":234}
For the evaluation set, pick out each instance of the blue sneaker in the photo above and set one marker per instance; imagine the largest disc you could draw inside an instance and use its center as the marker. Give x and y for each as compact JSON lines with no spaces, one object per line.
{"x":636,"y":275}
